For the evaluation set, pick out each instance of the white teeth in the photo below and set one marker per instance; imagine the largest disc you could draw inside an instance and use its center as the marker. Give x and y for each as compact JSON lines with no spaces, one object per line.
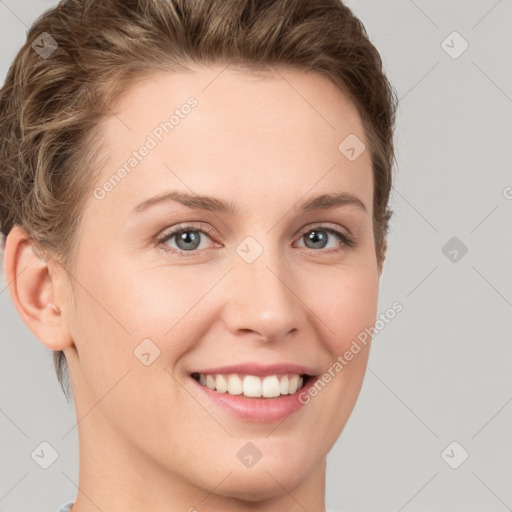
{"x":234,"y":385}
{"x":253,"y":386}
{"x":221,"y":384}
{"x":270,"y":387}
{"x":283,"y":386}
{"x":292,"y":385}
{"x":210,"y":381}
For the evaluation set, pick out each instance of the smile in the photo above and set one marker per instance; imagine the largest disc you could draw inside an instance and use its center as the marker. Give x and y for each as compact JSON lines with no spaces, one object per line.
{"x":266,"y":398}
{"x":252,"y":386}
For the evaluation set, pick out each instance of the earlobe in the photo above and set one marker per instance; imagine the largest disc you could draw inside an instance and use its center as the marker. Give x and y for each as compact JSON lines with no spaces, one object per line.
{"x":34,"y":291}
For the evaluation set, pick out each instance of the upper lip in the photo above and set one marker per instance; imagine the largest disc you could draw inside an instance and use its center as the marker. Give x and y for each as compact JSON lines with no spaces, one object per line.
{"x":259,"y":370}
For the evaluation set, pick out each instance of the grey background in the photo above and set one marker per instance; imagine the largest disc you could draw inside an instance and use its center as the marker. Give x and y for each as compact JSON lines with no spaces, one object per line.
{"x":441,"y":370}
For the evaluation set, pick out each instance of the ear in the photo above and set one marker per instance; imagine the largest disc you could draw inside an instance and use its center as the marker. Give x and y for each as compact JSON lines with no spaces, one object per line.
{"x":37,"y":291}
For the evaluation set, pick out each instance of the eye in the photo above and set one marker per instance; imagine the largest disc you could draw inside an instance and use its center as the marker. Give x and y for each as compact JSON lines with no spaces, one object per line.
{"x":318,"y":238}
{"x":188,"y":239}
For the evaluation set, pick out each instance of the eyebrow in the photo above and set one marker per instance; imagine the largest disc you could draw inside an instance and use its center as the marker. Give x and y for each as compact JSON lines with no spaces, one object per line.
{"x":213,"y":204}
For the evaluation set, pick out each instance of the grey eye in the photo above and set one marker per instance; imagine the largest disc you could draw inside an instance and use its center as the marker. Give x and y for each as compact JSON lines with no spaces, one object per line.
{"x":316,"y":239}
{"x":187,"y":240}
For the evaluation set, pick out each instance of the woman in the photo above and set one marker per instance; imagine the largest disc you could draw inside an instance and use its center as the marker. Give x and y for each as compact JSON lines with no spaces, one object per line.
{"x":195,"y":202}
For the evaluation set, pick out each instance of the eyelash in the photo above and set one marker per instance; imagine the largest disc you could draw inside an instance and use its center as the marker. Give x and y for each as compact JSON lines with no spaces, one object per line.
{"x":347,"y":241}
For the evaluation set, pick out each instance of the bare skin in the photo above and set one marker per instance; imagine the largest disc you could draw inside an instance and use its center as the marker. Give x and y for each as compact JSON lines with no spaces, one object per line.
{"x":149,"y":438}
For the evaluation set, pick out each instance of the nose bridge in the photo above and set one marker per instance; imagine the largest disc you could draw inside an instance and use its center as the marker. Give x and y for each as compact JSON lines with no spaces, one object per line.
{"x":262,"y":298}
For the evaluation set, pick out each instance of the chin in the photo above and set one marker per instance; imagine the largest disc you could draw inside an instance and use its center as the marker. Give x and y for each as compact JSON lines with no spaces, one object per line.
{"x":255,"y":486}
{"x":268,"y":478}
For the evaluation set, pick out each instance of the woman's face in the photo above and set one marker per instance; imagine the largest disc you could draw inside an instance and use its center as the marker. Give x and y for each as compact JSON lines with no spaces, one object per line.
{"x":267,"y":285}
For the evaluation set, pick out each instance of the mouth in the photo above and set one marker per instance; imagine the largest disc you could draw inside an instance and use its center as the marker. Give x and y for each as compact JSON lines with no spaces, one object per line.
{"x":255,"y":392}
{"x":253,"y":386}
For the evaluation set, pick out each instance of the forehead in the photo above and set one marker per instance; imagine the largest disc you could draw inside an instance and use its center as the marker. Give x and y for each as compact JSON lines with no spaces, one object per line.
{"x":227,"y":132}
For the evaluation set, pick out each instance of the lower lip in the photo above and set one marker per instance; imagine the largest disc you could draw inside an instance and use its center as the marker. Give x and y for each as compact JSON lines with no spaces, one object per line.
{"x":258,"y":410}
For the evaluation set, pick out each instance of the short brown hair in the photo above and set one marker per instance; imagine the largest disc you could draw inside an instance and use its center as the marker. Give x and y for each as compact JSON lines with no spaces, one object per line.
{"x":51,"y":104}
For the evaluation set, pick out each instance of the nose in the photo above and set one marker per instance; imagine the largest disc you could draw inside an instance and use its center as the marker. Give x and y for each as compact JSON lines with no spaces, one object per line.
{"x":261,"y":299}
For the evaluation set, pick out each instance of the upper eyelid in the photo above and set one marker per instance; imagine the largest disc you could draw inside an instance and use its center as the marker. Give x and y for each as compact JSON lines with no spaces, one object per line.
{"x":184,"y":227}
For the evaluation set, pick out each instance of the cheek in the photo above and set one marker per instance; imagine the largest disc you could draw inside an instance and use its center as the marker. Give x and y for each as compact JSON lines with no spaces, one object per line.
{"x":142,"y":300}
{"x":345,"y":302}
{"x":346,"y":305}
{"x":120,"y":306}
